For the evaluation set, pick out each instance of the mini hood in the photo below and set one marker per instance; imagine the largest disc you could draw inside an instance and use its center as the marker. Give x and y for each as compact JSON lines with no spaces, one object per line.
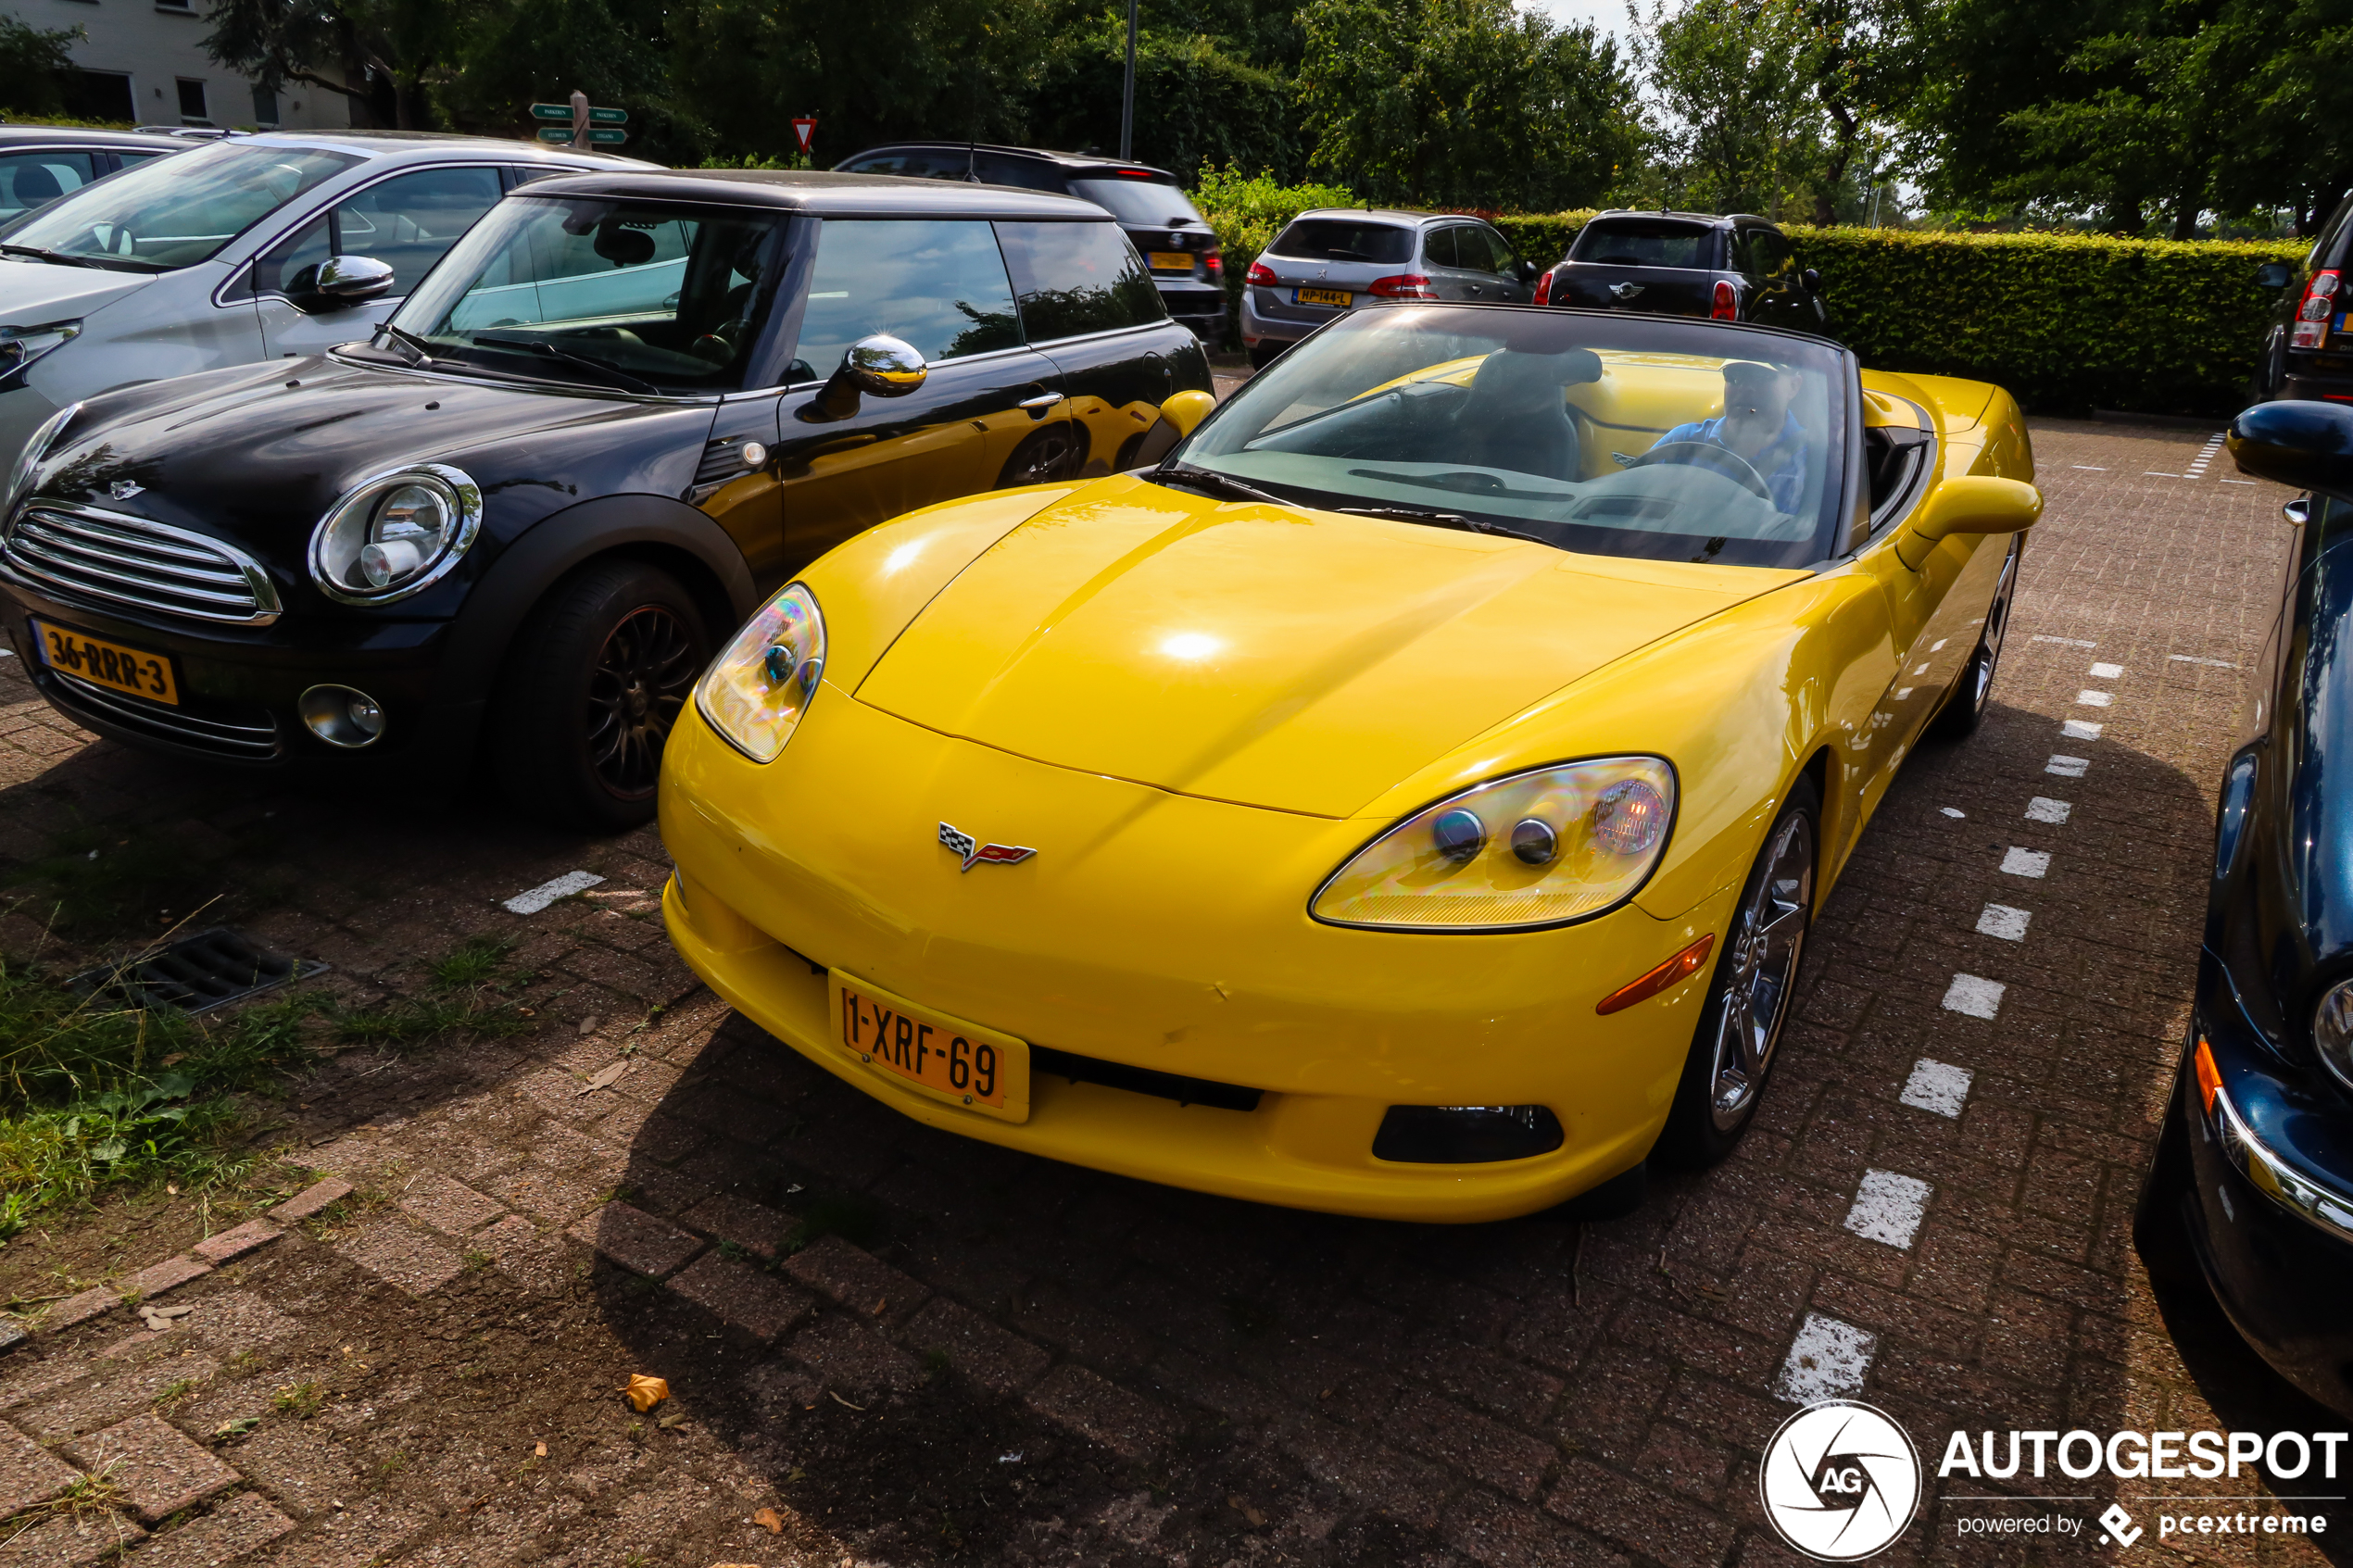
{"x":1274,"y":657}
{"x":35,"y":294}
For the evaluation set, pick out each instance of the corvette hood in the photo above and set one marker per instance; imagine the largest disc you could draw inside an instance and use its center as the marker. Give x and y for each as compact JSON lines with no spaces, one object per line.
{"x":1274,"y":657}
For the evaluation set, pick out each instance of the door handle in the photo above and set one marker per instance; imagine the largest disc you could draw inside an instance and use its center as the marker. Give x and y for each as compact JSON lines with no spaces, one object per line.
{"x":1043,"y":400}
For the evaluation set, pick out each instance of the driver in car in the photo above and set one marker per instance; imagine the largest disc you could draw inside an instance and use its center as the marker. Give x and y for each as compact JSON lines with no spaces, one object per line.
{"x":1757,"y":426}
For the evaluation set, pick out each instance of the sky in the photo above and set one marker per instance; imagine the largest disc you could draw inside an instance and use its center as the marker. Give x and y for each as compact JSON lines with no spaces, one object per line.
{"x":1608,"y":15}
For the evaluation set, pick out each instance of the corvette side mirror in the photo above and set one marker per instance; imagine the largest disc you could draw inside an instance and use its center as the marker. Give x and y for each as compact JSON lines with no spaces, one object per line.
{"x":2305,"y":445}
{"x":1977,"y":503}
{"x":1179,"y":413}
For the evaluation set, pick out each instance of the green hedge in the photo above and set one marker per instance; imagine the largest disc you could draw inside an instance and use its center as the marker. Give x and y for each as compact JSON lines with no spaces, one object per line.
{"x":2067,"y":323}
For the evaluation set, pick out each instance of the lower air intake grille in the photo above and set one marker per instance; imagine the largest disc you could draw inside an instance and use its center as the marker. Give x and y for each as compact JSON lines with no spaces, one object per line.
{"x":1142,"y":1080}
{"x":121,"y":559}
{"x":255,"y":740}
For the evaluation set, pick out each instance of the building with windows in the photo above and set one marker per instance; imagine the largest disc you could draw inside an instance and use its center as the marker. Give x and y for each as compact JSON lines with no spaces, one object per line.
{"x":143,"y":61}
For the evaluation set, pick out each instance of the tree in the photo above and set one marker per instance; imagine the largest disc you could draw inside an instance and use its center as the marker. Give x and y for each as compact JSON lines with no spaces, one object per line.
{"x":1737,"y":82}
{"x":1196,"y":102}
{"x":377,"y":54}
{"x":33,"y":62}
{"x":1465,"y":102}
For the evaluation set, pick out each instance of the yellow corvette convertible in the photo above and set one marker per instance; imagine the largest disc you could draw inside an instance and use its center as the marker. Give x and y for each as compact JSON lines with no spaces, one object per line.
{"x":1409,"y":798}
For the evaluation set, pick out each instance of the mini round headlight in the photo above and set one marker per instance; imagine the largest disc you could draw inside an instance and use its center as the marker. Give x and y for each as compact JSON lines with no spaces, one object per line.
{"x":2333,"y":1031}
{"x":394,"y":534}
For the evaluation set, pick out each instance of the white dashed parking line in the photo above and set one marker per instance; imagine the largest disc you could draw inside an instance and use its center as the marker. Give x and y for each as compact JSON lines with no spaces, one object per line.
{"x":1937,"y":1086}
{"x":2000,"y":919}
{"x":2064,"y":642}
{"x":2104,"y":672}
{"x":1889,"y":1207}
{"x":2076,"y":729}
{"x":1973,"y":995}
{"x":2094,"y":700}
{"x":1829,"y":1360}
{"x":531,"y":900}
{"x":2026,"y":862}
{"x":2067,"y":767}
{"x":2192,"y":659}
{"x":2042,"y":808}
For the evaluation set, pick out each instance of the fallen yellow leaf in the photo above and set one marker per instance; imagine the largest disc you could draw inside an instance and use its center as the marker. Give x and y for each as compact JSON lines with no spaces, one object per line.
{"x":645,"y":1392}
{"x":769,"y":1520}
{"x":539,"y":1450}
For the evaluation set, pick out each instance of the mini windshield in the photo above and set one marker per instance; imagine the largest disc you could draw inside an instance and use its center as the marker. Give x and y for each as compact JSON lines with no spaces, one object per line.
{"x":172,"y":212}
{"x":641,"y":296}
{"x":1611,"y":435}
{"x":1155,"y":201}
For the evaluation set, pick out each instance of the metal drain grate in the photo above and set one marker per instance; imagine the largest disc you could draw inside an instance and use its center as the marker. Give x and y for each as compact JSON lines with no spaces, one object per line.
{"x":193,"y":973}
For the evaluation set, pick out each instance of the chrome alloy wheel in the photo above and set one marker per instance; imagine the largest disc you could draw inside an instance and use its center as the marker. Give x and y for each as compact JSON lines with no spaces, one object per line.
{"x":1768,"y":939}
{"x":643,"y":675}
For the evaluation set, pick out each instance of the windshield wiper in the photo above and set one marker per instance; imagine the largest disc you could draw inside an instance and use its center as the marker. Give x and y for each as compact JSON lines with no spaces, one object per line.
{"x":617,"y":376}
{"x":1445,"y":519}
{"x":1207,"y":479}
{"x":59,"y":257}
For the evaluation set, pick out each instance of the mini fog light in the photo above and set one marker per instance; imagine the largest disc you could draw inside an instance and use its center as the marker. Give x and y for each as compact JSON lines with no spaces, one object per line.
{"x":1534,"y":841}
{"x":1457,"y":837}
{"x":345,"y":718}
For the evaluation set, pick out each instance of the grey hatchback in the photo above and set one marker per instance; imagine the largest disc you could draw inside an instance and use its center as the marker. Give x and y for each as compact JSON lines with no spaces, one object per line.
{"x":1331,"y":259}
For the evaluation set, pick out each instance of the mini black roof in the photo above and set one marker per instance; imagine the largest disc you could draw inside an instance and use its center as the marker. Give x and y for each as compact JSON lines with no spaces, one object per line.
{"x":1079,"y":161}
{"x":823,"y":192}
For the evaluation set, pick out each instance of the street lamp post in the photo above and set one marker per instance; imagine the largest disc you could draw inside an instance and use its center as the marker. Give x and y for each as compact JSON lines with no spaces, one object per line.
{"x":1128,"y":93}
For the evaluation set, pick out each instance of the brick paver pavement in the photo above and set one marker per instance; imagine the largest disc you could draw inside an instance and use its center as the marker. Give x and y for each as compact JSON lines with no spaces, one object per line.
{"x":916,"y":1349}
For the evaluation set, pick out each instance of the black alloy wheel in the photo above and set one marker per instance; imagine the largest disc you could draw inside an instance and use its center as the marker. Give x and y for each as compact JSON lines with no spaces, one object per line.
{"x":1965,"y":707}
{"x":2160,"y":1225}
{"x":1046,"y":455}
{"x":1750,"y":992}
{"x":595,"y":680}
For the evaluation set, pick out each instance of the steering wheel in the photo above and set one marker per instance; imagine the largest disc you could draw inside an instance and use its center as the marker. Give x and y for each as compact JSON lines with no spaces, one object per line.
{"x":1707,"y":455}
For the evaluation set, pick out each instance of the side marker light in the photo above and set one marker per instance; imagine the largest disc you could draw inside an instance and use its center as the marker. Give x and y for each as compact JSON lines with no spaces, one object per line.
{"x":2210,"y":1077}
{"x":1674,"y":971}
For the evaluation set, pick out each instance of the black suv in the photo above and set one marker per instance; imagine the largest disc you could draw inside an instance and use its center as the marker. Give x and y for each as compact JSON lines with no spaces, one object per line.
{"x":1176,"y":240}
{"x":2310,"y":351}
{"x":1735,"y":268}
{"x":623,"y":408}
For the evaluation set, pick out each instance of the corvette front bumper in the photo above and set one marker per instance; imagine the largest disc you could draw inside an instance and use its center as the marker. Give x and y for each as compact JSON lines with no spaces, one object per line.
{"x":1165,"y":933}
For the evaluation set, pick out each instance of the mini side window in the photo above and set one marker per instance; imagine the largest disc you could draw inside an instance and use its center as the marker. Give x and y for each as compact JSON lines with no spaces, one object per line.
{"x":1072,"y":279}
{"x":940,"y":285}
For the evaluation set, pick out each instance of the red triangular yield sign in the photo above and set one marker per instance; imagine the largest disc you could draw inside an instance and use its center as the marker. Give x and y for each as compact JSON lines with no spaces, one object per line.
{"x":804,"y":127}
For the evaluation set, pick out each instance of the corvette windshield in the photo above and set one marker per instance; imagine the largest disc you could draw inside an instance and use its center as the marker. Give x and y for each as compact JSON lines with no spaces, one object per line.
{"x":1627,"y":435}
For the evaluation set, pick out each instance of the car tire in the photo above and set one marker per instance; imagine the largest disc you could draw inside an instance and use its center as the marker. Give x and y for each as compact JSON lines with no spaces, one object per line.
{"x":595,"y":679}
{"x":1756,"y":968}
{"x":2161,"y":1231}
{"x":1046,"y":457}
{"x":1265,"y":352}
{"x":1966,"y":704}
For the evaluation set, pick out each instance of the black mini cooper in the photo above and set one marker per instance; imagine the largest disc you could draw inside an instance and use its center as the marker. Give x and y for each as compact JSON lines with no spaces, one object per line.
{"x":622,"y":409}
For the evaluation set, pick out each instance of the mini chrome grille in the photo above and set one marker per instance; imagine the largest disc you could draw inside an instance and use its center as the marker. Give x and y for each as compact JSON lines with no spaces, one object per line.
{"x":131,"y":560}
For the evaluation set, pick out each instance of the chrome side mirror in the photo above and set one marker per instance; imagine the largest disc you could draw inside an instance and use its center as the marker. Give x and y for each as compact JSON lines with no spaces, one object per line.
{"x":346,"y":280}
{"x":880,"y":364}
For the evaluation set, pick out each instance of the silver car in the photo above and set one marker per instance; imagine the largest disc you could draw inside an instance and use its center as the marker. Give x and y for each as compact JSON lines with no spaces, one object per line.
{"x":1332,"y":260}
{"x":246,"y":248}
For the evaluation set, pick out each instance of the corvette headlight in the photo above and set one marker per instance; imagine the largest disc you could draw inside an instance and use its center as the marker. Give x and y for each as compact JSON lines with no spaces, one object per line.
{"x":20,"y":346}
{"x":2333,"y":1031}
{"x":755,"y":692}
{"x":29,"y":460}
{"x":1537,"y":848}
{"x":394,"y":534}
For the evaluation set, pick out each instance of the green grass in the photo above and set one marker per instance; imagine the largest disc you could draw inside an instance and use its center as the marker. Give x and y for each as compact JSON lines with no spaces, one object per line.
{"x":102,"y":880}
{"x":473,"y":963}
{"x":301,"y":1401}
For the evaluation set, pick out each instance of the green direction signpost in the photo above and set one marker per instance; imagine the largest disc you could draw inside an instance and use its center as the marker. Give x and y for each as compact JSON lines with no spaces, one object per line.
{"x":602,"y":123}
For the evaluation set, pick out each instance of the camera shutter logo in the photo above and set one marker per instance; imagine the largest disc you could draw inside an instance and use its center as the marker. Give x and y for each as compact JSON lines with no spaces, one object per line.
{"x":1840,"y":1480}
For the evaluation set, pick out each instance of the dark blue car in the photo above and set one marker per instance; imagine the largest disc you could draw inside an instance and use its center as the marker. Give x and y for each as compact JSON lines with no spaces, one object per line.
{"x":2252,"y":1187}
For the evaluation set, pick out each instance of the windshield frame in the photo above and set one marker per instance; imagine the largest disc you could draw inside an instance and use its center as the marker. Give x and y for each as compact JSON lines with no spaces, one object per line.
{"x":774,"y":299}
{"x":1841,"y":527}
{"x":176,"y":168}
